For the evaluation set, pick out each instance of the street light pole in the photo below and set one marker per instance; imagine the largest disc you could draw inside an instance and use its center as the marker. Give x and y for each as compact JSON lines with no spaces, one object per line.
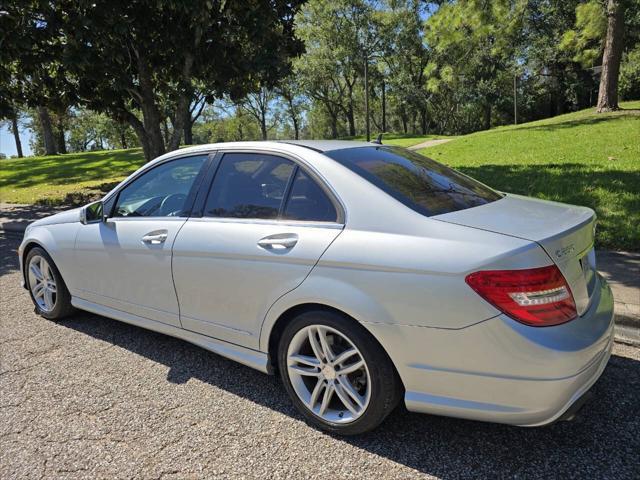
{"x":366,"y":95}
{"x":515,"y":98}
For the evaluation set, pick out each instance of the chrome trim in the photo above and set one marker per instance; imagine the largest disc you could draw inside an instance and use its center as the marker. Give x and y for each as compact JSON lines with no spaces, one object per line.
{"x":259,"y":221}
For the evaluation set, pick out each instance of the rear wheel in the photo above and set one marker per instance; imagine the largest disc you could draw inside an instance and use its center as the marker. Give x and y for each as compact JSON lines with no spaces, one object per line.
{"x":48,"y":291}
{"x":337,"y":375}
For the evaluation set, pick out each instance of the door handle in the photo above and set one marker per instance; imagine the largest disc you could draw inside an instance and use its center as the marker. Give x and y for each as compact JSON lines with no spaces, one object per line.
{"x":281,"y":241}
{"x":155,"y":238}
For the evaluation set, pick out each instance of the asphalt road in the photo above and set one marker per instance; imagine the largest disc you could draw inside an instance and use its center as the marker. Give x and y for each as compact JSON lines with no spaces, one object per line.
{"x":94,"y":398}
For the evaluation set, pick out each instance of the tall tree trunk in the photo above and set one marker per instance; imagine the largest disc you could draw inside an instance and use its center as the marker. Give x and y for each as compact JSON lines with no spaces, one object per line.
{"x":188,"y":130}
{"x":487,"y":116}
{"x":123,"y":139}
{"x":263,"y":124}
{"x":423,"y":120}
{"x":608,"y":93}
{"x":296,"y":127}
{"x":62,"y":142}
{"x":334,"y":124}
{"x":351,"y":120}
{"x":150,"y":113}
{"x":16,"y":133}
{"x":47,"y":131}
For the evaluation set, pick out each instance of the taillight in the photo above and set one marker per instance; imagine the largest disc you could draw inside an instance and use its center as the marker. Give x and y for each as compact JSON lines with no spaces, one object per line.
{"x":539,"y":297}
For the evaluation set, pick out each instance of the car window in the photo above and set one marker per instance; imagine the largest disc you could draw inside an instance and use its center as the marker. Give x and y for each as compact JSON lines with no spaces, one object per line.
{"x":307,"y":201}
{"x":249,"y":185}
{"x":420,"y":183}
{"x":162,"y":191}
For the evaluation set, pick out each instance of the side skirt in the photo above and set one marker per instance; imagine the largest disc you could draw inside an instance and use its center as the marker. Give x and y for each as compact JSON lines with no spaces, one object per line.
{"x":246,"y":356}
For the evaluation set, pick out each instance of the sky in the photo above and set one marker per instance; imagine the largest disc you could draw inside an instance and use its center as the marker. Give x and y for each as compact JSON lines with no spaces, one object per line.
{"x":8,"y":144}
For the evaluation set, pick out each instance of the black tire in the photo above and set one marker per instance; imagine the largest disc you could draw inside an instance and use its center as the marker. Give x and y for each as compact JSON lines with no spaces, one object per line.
{"x":386,"y":386}
{"x":62,"y":307}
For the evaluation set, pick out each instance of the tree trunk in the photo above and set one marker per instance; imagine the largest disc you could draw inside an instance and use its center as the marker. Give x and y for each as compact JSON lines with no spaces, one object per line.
{"x":423,"y":120}
{"x":608,"y":93}
{"x":47,"y":131}
{"x":188,"y":131}
{"x":263,"y":125}
{"x":296,"y":127}
{"x":487,"y":116}
{"x":62,"y":143}
{"x":334,"y":124}
{"x":351,"y":120}
{"x":16,"y":133}
{"x":150,"y":113}
{"x":123,"y":139}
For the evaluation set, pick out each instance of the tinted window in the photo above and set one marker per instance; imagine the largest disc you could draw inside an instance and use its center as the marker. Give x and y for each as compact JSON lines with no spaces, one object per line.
{"x":162,"y":191}
{"x":419,"y":182}
{"x":249,"y":185}
{"x":307,"y":201}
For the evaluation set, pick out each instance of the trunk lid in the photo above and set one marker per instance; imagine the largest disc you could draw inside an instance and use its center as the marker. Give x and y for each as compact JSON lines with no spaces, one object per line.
{"x":565,"y":232}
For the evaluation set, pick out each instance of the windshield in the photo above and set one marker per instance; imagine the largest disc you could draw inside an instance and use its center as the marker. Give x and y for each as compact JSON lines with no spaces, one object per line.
{"x":422,"y":184}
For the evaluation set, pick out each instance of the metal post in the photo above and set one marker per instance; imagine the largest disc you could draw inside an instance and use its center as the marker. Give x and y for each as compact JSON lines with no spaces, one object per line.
{"x":515,"y":98}
{"x":366,"y":95}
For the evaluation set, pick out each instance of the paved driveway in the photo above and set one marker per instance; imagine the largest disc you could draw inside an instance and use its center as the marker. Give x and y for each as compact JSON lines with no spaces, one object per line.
{"x":91,"y":397}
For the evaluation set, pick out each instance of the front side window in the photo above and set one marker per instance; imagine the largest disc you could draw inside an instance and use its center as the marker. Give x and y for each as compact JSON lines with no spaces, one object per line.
{"x":249,"y":185}
{"x":422,"y":184}
{"x":160,"y":192}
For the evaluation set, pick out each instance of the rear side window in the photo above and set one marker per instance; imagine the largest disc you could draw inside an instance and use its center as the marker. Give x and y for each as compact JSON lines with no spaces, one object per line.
{"x":249,"y":185}
{"x":422,"y":184}
{"x":307,"y":201}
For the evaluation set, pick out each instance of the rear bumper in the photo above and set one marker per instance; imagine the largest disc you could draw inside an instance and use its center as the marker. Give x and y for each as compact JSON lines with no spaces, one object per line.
{"x":500,"y":370}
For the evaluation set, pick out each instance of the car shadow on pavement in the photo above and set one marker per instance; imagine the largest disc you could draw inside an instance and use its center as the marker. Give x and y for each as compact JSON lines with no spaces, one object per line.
{"x":603,"y":440}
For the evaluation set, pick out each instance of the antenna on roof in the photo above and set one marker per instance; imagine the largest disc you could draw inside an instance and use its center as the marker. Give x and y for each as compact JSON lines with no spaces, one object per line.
{"x":378,"y":140}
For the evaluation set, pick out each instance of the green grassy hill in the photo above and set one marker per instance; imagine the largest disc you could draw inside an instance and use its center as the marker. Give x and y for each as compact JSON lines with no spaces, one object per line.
{"x":65,"y":179}
{"x":582,"y":158}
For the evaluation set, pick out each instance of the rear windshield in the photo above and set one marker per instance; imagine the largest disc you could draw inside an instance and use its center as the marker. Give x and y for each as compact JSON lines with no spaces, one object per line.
{"x":422,"y":184}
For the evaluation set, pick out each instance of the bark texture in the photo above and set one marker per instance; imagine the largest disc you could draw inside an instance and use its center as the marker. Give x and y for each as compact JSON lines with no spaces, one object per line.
{"x":47,"y":131}
{"x":608,"y":93}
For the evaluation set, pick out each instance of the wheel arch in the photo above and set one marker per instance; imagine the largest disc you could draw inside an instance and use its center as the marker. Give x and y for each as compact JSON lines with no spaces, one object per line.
{"x":275,"y":333}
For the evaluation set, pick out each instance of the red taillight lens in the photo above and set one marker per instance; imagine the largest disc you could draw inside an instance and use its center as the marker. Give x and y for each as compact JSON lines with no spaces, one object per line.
{"x":539,"y":297}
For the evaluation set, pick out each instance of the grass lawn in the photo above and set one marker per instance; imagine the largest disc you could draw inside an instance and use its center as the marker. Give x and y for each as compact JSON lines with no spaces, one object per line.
{"x":582,"y":158}
{"x":65,"y":179}
{"x":399,"y":139}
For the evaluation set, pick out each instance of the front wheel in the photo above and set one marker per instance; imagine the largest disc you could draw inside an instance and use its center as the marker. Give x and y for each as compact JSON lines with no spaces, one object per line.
{"x":48,"y":291}
{"x":337,"y":375}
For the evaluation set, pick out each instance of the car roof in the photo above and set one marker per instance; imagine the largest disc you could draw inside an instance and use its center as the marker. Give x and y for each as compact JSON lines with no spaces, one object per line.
{"x":316,"y":145}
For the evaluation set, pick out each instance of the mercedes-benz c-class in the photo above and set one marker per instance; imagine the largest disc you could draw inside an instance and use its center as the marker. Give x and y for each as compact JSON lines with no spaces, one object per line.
{"x":364,"y":275}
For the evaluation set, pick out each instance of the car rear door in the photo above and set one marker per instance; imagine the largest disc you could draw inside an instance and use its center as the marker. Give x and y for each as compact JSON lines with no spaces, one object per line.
{"x":263,"y":225}
{"x":124,"y":262}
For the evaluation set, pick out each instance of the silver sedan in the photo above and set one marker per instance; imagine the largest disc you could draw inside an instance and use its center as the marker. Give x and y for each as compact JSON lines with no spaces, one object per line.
{"x":365,"y":275}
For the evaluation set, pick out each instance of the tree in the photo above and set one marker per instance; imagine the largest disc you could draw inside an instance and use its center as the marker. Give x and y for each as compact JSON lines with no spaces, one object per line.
{"x":259,"y":105}
{"x":15,"y":129}
{"x":124,"y":57}
{"x":608,"y":93}
{"x":289,"y":91}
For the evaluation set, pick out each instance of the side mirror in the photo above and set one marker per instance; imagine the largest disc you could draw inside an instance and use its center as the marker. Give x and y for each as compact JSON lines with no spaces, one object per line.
{"x":92,"y":213}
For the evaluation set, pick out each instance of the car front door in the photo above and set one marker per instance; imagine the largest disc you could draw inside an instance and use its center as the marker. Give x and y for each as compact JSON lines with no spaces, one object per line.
{"x":265,"y":223}
{"x":124,"y":262}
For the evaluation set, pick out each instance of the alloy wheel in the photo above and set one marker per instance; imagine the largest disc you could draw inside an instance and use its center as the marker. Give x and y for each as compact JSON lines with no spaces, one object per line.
{"x":328,"y":374}
{"x":42,"y":283}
